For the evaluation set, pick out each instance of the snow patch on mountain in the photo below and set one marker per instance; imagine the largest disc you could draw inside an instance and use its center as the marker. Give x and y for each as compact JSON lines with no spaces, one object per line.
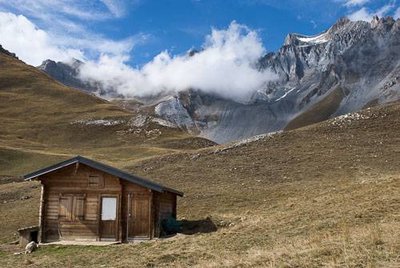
{"x":319,"y":39}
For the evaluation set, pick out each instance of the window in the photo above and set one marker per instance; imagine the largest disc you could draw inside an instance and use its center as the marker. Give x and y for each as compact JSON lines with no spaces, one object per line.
{"x":72,"y":207}
{"x":95,"y":181}
{"x":109,"y":209}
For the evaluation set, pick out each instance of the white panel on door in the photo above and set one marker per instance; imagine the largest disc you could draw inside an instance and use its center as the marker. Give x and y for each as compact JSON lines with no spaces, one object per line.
{"x":109,"y":209}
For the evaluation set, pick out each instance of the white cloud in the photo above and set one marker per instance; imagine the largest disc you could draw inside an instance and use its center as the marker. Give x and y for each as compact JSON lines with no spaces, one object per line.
{"x":40,"y":9}
{"x":365,"y":14}
{"x":116,"y":7}
{"x":352,"y":3}
{"x":59,"y":29}
{"x":225,"y":66}
{"x":31,"y":44}
{"x":386,"y":9}
{"x":397,"y":14}
{"x":362,"y":14}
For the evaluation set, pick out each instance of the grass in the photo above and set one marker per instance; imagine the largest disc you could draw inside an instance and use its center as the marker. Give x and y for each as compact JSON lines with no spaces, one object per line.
{"x":320,"y":111}
{"x":322,"y":196}
{"x":38,"y":121}
{"x":326,"y":195}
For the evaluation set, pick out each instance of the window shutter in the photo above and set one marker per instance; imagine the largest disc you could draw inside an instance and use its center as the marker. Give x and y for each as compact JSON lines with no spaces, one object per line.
{"x":79,"y":208}
{"x":65,"y":209}
{"x":95,"y":181}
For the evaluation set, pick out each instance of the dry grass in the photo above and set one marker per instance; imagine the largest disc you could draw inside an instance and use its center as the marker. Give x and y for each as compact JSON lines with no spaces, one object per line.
{"x":37,"y":116}
{"x":327,"y":195}
{"x":318,"y":112}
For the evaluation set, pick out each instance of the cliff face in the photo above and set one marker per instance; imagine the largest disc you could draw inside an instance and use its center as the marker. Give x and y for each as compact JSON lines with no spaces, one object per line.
{"x":350,"y":66}
{"x":66,"y":73}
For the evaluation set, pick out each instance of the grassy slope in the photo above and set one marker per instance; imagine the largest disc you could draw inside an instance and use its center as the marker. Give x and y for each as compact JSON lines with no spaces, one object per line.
{"x":324,"y":195}
{"x":36,"y":122}
{"x":318,"y":112}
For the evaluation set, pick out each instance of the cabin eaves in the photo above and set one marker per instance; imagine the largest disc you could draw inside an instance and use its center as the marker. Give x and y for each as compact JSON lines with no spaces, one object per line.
{"x":105,"y":168}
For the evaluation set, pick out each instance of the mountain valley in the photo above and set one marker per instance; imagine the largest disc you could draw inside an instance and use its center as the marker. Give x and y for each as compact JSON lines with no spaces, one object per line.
{"x":306,"y":173}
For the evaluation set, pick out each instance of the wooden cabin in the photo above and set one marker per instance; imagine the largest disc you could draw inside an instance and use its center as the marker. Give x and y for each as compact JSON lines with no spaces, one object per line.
{"x":82,"y":199}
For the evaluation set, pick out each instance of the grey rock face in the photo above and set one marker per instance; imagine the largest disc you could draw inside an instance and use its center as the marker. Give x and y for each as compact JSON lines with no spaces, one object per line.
{"x":66,"y":73}
{"x":350,"y":66}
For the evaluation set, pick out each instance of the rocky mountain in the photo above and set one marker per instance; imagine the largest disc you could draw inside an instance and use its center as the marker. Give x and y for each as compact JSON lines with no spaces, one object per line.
{"x":45,"y":120}
{"x":66,"y":73}
{"x":350,"y":66}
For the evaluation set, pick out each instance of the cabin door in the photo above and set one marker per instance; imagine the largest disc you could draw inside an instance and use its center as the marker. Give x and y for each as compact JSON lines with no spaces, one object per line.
{"x":139,"y":216}
{"x":108,"y":223}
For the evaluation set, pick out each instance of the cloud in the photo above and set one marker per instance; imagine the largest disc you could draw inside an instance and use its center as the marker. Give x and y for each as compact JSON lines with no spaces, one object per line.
{"x":54,"y":15}
{"x":60,"y":29}
{"x":225,"y":66}
{"x":364,"y":14}
{"x":116,"y":7}
{"x":31,"y":44}
{"x":352,"y":3}
{"x":397,"y":14}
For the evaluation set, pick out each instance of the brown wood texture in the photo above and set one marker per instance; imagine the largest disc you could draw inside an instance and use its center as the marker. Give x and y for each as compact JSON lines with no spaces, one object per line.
{"x":71,"y":207}
{"x":139,"y":222}
{"x":108,"y":229}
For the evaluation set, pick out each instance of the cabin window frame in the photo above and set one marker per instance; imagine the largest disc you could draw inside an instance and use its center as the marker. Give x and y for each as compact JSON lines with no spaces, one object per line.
{"x":75,"y":209}
{"x":95,"y":185}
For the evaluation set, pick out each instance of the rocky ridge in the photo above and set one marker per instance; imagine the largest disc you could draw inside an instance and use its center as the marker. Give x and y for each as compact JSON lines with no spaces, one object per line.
{"x":352,"y":65}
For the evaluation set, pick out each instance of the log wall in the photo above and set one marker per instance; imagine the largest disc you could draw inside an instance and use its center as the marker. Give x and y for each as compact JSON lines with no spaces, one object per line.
{"x":72,"y":202}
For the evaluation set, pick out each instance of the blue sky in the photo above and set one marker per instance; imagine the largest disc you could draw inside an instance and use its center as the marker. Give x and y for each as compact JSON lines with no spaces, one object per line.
{"x":139,"y":47}
{"x":144,"y":28}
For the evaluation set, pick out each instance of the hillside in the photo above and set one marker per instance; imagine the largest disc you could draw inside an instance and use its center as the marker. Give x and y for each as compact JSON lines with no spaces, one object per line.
{"x":324,"y":195}
{"x":45,"y":121}
{"x":350,"y":66}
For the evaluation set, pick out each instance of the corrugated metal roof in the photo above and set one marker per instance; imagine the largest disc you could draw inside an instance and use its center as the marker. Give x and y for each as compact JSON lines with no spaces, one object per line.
{"x":105,"y":168}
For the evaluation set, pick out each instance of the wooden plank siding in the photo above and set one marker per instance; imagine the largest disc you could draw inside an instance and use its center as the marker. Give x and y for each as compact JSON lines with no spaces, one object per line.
{"x":167,"y":205}
{"x":134,"y":197}
{"x":71,"y":203}
{"x":164,"y":207}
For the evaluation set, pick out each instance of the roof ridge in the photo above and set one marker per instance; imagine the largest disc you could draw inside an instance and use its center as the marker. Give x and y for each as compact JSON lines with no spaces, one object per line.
{"x":105,"y":168}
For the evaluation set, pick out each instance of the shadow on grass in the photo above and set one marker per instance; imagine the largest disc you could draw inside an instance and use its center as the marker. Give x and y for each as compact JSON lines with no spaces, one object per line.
{"x":197,"y":226}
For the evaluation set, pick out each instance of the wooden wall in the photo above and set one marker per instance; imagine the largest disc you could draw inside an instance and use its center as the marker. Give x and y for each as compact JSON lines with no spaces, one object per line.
{"x":72,"y":205}
{"x":72,"y":202}
{"x":134,"y":195}
{"x":165,"y":206}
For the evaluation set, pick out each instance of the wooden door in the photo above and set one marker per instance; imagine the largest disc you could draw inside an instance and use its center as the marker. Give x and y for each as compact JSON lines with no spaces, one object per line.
{"x":139,"y":222}
{"x":108,"y":218}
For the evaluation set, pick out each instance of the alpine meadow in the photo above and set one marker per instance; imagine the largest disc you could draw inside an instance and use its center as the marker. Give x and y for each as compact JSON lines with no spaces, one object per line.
{"x":199,"y":133}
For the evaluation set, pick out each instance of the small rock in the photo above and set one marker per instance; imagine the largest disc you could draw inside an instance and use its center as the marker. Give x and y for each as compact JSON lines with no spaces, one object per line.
{"x":31,"y":247}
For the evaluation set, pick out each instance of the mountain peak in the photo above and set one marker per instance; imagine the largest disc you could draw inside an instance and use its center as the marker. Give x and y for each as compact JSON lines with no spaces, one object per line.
{"x":339,"y":24}
{"x":73,"y":63}
{"x":300,"y":39}
{"x":384,"y":22}
{"x":5,"y":51}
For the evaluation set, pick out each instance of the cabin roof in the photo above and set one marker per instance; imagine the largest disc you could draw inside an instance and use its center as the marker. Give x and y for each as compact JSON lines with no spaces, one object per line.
{"x":105,"y":168}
